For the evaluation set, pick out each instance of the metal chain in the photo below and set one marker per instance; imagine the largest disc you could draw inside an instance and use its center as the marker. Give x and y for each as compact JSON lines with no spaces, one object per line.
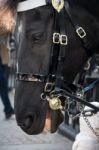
{"x":91,"y":128}
{"x":80,"y":108}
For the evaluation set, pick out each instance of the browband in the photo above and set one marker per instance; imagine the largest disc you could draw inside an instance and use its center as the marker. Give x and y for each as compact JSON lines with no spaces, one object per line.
{"x":30,"y":4}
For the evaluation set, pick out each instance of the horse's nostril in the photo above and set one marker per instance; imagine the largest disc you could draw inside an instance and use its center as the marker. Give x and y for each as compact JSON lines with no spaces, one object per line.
{"x":27,"y":122}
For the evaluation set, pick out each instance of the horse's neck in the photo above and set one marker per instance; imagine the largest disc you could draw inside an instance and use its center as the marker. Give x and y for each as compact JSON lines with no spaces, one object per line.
{"x":86,"y":3}
{"x":91,"y":5}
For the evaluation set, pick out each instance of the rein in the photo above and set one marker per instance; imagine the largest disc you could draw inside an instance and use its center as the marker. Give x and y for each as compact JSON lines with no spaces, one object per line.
{"x":53,"y":91}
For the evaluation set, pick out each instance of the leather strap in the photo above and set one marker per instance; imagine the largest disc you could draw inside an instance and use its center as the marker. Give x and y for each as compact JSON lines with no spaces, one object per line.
{"x":62,"y":51}
{"x":30,"y":77}
{"x":79,"y":31}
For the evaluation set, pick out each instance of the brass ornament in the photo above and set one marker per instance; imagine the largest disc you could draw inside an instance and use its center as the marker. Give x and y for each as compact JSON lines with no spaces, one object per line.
{"x":55,"y":103}
{"x":58,"y":4}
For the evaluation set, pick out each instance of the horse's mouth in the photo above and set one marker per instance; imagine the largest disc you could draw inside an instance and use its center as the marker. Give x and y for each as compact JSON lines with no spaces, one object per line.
{"x":53,"y":120}
{"x":47,"y":127}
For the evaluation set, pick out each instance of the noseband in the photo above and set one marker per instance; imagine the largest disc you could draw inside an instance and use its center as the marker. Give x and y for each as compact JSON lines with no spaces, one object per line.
{"x":53,"y":90}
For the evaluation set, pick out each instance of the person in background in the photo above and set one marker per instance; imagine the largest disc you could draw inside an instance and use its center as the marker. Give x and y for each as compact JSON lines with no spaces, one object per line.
{"x":8,"y":110}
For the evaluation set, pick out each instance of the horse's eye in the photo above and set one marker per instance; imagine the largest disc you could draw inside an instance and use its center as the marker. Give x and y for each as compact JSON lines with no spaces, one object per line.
{"x":36,"y":37}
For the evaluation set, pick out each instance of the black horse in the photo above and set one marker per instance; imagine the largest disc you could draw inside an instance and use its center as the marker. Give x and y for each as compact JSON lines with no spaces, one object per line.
{"x":78,"y":37}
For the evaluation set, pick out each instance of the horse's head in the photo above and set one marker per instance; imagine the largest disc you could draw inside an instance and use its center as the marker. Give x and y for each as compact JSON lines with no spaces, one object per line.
{"x":34,"y":34}
{"x":35,"y":31}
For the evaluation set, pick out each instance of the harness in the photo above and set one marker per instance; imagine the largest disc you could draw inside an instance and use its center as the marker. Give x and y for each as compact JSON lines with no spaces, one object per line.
{"x":54,"y":92}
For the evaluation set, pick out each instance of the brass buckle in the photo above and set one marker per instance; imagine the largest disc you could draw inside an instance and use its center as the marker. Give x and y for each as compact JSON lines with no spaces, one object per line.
{"x":58,"y":5}
{"x":56,"y":35}
{"x":81,"y":32}
{"x":48,"y":87}
{"x":55,"y":103}
{"x":63,"y":39}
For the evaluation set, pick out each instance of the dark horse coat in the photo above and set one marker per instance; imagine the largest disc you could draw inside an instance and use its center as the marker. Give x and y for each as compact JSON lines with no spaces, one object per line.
{"x":34,"y":29}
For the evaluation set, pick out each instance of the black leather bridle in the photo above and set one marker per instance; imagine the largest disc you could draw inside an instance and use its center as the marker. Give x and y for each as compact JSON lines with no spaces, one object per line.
{"x":54,"y":80}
